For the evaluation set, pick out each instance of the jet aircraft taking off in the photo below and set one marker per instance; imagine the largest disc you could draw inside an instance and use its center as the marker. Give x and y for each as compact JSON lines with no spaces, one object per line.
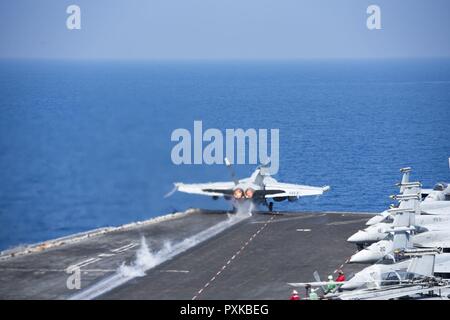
{"x":259,"y":188}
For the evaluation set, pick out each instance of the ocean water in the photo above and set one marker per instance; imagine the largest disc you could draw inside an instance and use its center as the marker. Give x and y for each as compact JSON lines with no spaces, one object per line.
{"x":86,"y":144}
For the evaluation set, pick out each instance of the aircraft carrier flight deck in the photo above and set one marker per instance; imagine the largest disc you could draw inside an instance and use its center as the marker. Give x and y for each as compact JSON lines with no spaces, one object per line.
{"x":197,"y":254}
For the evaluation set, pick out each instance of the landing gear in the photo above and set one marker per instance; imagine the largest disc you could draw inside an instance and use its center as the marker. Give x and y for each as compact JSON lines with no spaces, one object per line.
{"x":270,"y":206}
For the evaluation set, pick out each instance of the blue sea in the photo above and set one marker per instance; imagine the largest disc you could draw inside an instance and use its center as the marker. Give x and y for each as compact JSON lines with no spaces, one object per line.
{"x":86,"y":144}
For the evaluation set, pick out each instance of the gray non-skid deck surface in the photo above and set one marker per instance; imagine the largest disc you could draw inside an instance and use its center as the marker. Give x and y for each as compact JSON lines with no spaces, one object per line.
{"x":283,"y":251}
{"x":253,"y":259}
{"x":43,"y":275}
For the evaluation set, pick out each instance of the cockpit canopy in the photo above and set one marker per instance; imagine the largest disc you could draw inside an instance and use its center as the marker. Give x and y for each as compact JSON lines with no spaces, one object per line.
{"x":441,"y":186}
{"x":399,"y":276}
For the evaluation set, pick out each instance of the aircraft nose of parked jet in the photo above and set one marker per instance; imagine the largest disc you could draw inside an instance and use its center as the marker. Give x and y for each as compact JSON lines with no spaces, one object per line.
{"x":363,"y":256}
{"x":358,"y":237}
{"x":374,"y":220}
{"x":351,"y":284}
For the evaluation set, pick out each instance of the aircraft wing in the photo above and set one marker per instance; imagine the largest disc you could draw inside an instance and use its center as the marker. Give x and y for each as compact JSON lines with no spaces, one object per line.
{"x":217,"y":189}
{"x":436,"y":207}
{"x":277,"y":189}
{"x":445,"y":243}
{"x":426,"y":192}
{"x":433,"y":239}
{"x":442,"y":264}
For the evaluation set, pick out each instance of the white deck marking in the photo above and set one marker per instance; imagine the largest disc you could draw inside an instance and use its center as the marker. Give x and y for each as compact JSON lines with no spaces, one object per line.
{"x":99,"y":257}
{"x":88,"y":263}
{"x":291,"y":218}
{"x":176,"y":271}
{"x":304,"y":230}
{"x":99,"y":270}
{"x":338,"y":223}
{"x":125,"y":248}
{"x":44,"y":270}
{"x":83,"y":262}
{"x":121,"y":248}
{"x":233,"y":257}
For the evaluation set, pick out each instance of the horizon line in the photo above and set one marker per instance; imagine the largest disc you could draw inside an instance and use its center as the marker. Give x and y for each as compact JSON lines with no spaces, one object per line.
{"x":109,"y":59}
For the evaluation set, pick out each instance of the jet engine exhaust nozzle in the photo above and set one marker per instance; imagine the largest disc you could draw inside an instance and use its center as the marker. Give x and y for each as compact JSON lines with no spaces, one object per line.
{"x":238,"y":193}
{"x":249,"y":193}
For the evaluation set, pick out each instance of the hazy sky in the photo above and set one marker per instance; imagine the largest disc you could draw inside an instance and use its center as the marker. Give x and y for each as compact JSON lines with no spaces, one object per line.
{"x":224,"y":29}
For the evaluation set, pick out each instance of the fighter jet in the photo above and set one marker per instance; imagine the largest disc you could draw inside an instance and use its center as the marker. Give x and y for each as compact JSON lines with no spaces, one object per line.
{"x":429,"y":215}
{"x":440,"y":192}
{"x":380,"y":230}
{"x":401,"y":259}
{"x":426,"y":218}
{"x":426,"y":208}
{"x":435,"y":201}
{"x":409,"y":271}
{"x":259,"y":188}
{"x":437,"y":235}
{"x":417,"y":273}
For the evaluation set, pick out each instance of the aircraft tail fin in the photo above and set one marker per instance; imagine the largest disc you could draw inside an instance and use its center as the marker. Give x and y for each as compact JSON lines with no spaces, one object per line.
{"x":404,"y":220}
{"x":405,"y":178}
{"x":404,"y":215}
{"x":321,"y":289}
{"x":264,"y":167}
{"x":261,"y":171}
{"x":316,"y":276}
{"x":232,"y":172}
{"x":423,"y":265}
{"x":401,"y":240}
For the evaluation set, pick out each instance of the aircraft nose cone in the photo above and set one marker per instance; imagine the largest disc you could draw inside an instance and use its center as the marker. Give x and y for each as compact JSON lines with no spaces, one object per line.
{"x":374,"y":220}
{"x":363,"y":256}
{"x":350,"y":285}
{"x":345,"y":286}
{"x":358,"y":237}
